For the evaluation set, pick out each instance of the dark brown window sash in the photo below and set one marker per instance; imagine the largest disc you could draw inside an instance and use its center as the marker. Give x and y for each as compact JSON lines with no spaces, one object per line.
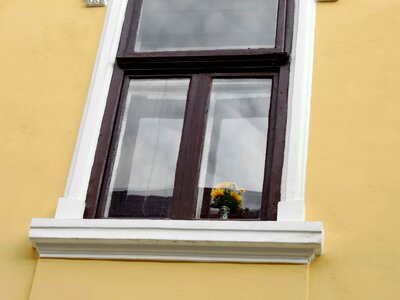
{"x":187,"y":173}
{"x":132,"y":18}
{"x":201,"y":66}
{"x":189,"y":159}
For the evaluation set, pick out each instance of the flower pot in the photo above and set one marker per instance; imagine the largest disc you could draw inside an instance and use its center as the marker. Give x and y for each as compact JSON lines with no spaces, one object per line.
{"x":224,"y":212}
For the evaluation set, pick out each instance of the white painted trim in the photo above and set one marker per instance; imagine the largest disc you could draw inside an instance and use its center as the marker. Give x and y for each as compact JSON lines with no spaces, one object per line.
{"x":68,"y":208}
{"x":92,"y":3}
{"x":211,"y":241}
{"x":291,"y":207}
{"x":86,"y":144}
{"x":291,"y":211}
{"x":293,"y":180}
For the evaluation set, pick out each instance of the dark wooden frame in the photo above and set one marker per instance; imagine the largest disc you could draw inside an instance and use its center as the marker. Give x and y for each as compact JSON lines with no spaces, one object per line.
{"x":201,"y":66}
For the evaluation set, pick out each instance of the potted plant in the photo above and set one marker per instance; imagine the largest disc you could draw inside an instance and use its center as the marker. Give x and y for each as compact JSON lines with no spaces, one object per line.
{"x":227,"y":197}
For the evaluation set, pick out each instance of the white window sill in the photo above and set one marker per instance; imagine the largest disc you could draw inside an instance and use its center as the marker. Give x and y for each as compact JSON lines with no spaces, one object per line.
{"x":166,"y":240}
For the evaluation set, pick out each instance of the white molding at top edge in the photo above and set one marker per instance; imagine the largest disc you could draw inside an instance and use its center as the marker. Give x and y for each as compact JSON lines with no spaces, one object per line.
{"x":93,"y":3}
{"x":210,"y":241}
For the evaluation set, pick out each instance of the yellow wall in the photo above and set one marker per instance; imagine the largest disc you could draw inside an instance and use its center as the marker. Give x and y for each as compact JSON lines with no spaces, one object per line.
{"x":353,"y":178}
{"x":47,"y":52}
{"x":157,"y":280}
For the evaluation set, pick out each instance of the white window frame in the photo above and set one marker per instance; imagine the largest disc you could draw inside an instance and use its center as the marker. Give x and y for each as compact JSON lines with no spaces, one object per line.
{"x":272,"y":235}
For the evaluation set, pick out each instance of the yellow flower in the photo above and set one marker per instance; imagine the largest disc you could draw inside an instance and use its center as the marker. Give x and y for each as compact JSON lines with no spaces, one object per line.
{"x":242,"y":190}
{"x":216,"y":193}
{"x":236,"y":196}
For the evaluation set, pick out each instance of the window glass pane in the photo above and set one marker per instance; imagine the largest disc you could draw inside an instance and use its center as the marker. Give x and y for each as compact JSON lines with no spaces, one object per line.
{"x":206,"y":24}
{"x":144,"y":170}
{"x":235,"y":143}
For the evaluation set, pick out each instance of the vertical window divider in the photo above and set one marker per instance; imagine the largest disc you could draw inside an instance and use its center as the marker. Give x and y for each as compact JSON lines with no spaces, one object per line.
{"x":118,"y":90}
{"x":113,"y":148}
{"x":281,"y":25}
{"x":275,"y":146}
{"x":289,"y":26}
{"x":189,"y":159}
{"x":130,"y":29}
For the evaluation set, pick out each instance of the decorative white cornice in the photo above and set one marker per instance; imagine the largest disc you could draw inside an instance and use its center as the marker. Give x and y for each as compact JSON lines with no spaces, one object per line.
{"x":211,"y":241}
{"x":91,"y":3}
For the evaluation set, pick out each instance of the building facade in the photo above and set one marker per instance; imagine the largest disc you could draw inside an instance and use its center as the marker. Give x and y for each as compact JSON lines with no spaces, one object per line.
{"x":339,"y":169}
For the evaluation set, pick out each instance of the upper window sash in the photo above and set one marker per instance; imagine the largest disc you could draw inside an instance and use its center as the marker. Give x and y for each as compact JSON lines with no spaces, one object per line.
{"x":130,"y":33}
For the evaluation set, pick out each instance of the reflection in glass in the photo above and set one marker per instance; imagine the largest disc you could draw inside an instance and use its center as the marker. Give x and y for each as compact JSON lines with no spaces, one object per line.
{"x":144,"y":170}
{"x":235,"y":142}
{"x":206,"y":24}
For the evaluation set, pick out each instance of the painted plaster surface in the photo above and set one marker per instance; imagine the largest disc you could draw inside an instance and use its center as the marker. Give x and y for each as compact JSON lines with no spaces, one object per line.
{"x":353,"y":179}
{"x":156,"y":280}
{"x":47,"y":51}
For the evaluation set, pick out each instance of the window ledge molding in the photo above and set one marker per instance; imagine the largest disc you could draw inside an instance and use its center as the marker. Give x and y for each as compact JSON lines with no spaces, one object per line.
{"x":166,"y":240}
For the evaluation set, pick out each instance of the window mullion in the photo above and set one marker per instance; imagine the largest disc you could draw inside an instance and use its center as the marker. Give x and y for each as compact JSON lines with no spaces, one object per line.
{"x":275,"y":146}
{"x":118,"y":90}
{"x":281,"y":25}
{"x":289,"y":26}
{"x":188,"y":166}
{"x":128,"y":34}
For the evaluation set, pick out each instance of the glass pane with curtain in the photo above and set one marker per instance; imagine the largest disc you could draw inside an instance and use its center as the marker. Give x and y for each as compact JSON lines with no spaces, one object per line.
{"x":144,"y":169}
{"x":235,"y":145}
{"x":167,"y":25}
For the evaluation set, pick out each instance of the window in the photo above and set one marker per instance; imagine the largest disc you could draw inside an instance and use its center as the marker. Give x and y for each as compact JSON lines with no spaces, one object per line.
{"x":198,"y":96}
{"x":68,"y":235}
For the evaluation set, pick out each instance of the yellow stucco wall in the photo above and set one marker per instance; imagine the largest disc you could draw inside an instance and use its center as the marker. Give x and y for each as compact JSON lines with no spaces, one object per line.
{"x":47,"y":51}
{"x":157,"y":280}
{"x":353,"y":178}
